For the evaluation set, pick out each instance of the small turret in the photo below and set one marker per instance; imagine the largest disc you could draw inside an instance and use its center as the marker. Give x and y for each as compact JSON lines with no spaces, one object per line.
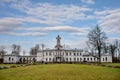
{"x":58,"y":45}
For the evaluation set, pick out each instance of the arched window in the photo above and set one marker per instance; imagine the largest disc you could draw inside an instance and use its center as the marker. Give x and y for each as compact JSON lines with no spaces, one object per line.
{"x":66,"y":54}
{"x":91,"y":59}
{"x":70,"y":59}
{"x":84,"y":59}
{"x":103,"y":59}
{"x":77,"y":59}
{"x":74,"y":59}
{"x":66,"y":59}
{"x":9,"y":58}
{"x":106,"y":58}
{"x":12,"y":59}
{"x":88,"y":59}
{"x":74,"y":54}
{"x":77,"y":54}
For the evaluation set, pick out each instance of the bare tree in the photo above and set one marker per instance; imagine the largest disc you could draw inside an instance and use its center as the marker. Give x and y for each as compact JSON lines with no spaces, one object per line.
{"x":43,"y":46}
{"x":37,"y":47}
{"x":2,"y":50}
{"x":34,"y":50}
{"x":16,"y":49}
{"x":14,"y":46}
{"x":117,"y":43}
{"x":112,"y":49}
{"x":24,"y":52}
{"x":97,"y":40}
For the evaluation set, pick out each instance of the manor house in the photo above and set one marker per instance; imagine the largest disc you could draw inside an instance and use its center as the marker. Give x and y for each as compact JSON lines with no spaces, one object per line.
{"x":56,"y":55}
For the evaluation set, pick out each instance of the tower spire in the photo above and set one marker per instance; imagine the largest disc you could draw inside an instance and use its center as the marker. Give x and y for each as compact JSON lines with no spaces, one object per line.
{"x":58,"y":45}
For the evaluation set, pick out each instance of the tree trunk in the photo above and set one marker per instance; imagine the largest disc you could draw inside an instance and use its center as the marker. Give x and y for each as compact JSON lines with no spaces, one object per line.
{"x":99,"y":55}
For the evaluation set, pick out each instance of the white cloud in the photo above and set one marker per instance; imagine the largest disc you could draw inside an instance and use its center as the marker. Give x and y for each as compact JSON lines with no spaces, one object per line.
{"x":8,"y":23}
{"x":69,"y":29}
{"x":49,"y":14}
{"x":46,"y":13}
{"x":57,"y":14}
{"x":25,"y":34}
{"x":109,"y":20}
{"x":58,"y":28}
{"x":88,"y":1}
{"x":40,"y":31}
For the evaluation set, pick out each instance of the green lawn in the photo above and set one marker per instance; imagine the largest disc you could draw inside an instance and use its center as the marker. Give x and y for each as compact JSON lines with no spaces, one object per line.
{"x":9,"y":64}
{"x":60,"y":72}
{"x":111,"y":64}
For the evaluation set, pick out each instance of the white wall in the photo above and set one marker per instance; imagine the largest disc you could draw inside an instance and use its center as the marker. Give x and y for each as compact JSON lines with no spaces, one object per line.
{"x":10,"y":59}
{"x":78,"y":57}
{"x":106,"y":58}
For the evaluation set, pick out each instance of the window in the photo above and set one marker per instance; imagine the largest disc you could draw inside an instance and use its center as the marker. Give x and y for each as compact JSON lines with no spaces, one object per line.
{"x":70,"y":53}
{"x":91,"y":59}
{"x":66,"y":59}
{"x":106,"y":58}
{"x":70,"y":59}
{"x":103,"y":59}
{"x":66,"y":54}
{"x":12,"y":59}
{"x":77,"y":54}
{"x":46,"y":53}
{"x":74,"y":59}
{"x":84,"y":59}
{"x":77,"y":59}
{"x":46,"y":59}
{"x":88,"y":59}
{"x":74,"y":54}
{"x":94,"y":59}
{"x":50,"y":54}
{"x":9,"y":58}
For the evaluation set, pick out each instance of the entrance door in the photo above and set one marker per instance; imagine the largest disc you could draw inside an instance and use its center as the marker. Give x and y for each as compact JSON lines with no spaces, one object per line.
{"x":58,"y":59}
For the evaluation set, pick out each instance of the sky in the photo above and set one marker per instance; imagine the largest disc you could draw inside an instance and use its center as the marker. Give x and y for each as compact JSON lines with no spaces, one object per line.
{"x":30,"y":22}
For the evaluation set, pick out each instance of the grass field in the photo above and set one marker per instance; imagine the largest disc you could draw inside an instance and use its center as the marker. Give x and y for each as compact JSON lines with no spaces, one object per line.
{"x":8,"y":64}
{"x":60,"y":72}
{"x":111,"y":64}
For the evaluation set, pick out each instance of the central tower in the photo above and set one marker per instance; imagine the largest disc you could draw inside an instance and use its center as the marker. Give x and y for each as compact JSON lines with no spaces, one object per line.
{"x":58,"y":45}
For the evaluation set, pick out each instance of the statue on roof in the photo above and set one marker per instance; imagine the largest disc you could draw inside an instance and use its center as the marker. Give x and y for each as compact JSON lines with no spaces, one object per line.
{"x":58,"y":46}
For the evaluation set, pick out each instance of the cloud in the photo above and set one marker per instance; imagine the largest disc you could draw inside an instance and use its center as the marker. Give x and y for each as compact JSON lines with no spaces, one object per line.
{"x":25,"y":34}
{"x":58,"y":28}
{"x":42,"y":31}
{"x":70,"y":29}
{"x":49,"y":14}
{"x":8,"y":24}
{"x":88,"y":1}
{"x":109,"y":20}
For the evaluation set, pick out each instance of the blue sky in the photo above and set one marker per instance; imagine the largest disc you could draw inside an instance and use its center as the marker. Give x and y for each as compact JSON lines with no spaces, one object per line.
{"x":31,"y":22}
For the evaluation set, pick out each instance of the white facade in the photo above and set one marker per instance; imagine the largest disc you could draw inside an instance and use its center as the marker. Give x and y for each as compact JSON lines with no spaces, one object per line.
{"x":62,"y":55}
{"x":11,"y":58}
{"x":15,"y":58}
{"x":68,"y":56}
{"x":57,"y":55}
